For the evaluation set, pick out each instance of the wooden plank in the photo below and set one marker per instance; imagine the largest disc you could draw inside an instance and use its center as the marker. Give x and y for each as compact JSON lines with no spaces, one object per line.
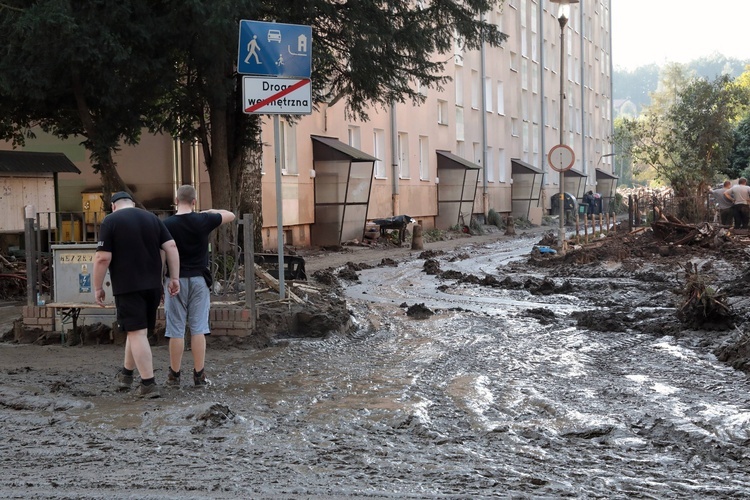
{"x":274,"y":283}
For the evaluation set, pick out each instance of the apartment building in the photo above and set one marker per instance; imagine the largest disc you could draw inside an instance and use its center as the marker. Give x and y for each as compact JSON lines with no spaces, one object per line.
{"x":478,"y":144}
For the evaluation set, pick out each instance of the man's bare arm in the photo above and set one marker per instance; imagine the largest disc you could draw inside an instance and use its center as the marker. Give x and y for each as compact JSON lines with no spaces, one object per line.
{"x":226,"y":215}
{"x":102,"y":260}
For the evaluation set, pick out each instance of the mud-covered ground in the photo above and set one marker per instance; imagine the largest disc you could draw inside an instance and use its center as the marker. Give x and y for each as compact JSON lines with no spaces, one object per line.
{"x":474,"y":370}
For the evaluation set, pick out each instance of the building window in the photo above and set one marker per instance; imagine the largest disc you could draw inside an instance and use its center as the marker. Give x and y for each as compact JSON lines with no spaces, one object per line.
{"x":500,"y":99}
{"x":442,"y":112}
{"x":458,"y":79}
{"x":525,"y":137}
{"x":458,"y":50}
{"x":288,"y":148}
{"x":490,"y":166}
{"x":514,"y":61}
{"x":459,"y":123}
{"x":514,"y":128}
{"x":501,"y":165}
{"x":403,"y":155}
{"x":488,"y":94}
{"x":355,"y":138}
{"x":475,"y":89}
{"x":424,"y":158}
{"x":378,"y":149}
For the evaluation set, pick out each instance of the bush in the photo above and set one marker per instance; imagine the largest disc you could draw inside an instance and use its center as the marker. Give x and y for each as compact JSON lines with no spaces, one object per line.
{"x":495,"y":219}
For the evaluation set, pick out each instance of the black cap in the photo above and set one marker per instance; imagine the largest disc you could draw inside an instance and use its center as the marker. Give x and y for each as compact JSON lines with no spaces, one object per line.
{"x":121,"y":195}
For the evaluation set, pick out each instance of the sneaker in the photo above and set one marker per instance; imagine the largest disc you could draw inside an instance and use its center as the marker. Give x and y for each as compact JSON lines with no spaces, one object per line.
{"x":123,"y":382}
{"x":172,"y":381}
{"x":201,"y":381}
{"x":147,"y":391}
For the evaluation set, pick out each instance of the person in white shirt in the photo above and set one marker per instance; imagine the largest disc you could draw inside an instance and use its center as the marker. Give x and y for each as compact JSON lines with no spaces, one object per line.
{"x":726,"y":211}
{"x":740,"y":196}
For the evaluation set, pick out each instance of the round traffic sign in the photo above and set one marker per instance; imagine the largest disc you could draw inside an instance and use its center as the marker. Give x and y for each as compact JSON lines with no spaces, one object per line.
{"x":561,"y":158}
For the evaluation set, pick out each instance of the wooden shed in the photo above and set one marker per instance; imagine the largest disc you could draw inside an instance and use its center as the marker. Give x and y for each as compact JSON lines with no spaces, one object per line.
{"x":29,"y":179}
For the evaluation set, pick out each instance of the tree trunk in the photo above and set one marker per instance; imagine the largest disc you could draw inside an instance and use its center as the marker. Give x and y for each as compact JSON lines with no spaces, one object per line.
{"x":251,"y":193}
{"x":218,"y":162}
{"x":111,"y":180}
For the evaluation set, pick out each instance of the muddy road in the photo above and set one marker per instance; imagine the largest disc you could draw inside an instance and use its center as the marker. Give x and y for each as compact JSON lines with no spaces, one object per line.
{"x":470,"y":373}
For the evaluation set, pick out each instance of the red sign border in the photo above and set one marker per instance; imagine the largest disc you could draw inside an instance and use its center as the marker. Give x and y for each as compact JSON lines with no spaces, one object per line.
{"x":572,"y":161}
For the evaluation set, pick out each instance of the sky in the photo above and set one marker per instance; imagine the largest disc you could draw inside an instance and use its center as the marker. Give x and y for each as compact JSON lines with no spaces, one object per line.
{"x":661,"y":31}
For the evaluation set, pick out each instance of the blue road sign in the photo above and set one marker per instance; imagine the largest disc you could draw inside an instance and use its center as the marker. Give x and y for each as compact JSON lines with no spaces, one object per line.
{"x":274,"y":49}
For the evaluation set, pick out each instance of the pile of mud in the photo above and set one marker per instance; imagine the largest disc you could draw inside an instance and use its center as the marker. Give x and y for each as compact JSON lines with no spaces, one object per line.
{"x":703,"y":286}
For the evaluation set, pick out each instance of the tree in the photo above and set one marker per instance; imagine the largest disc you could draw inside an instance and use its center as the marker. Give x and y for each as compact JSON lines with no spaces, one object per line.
{"x":87,"y":69}
{"x":740,"y":156}
{"x":689,"y":142}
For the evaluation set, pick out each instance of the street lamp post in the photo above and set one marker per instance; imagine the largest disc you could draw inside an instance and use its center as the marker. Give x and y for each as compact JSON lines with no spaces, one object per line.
{"x":563,"y":15}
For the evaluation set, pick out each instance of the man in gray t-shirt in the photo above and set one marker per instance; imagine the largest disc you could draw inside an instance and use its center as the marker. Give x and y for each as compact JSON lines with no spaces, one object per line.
{"x":726,"y":212}
{"x":740,"y":197}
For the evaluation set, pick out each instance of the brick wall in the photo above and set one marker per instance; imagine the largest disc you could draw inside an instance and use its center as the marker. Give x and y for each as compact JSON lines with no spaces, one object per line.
{"x":39,"y":318}
{"x":231,"y":321}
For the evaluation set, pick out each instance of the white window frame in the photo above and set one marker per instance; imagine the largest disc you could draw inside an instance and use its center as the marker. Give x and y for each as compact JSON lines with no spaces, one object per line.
{"x":403,"y":155}
{"x":288,"y":148}
{"x":378,"y":149}
{"x":424,"y":158}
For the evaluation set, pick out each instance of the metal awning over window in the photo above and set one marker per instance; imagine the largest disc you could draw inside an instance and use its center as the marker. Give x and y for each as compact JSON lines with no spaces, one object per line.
{"x":343,"y":178}
{"x":526,"y":188}
{"x":575,"y":184}
{"x":457,"y":189}
{"x":606,"y":186}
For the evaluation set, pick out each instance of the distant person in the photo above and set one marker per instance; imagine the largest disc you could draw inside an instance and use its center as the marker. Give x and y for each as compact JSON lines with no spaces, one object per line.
{"x":130,"y":245}
{"x":589,"y":202}
{"x":739,"y":195}
{"x":191,"y":306}
{"x":726,"y":211}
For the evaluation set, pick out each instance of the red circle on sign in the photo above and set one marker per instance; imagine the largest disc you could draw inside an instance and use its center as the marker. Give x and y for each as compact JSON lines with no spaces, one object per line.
{"x":561,"y":158}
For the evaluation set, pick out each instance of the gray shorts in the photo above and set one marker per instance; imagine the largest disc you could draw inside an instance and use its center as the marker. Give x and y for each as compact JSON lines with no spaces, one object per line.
{"x":189,"y":307}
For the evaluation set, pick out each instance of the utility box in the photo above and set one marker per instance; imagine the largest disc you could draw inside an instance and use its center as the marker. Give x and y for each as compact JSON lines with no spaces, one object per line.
{"x":70,"y":230}
{"x":72,"y":272}
{"x":93,"y":208}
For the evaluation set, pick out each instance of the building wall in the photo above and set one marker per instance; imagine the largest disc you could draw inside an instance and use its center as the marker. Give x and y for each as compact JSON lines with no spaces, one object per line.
{"x":520,"y":117}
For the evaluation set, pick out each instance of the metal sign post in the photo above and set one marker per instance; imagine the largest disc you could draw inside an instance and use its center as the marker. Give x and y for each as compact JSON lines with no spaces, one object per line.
{"x":279,"y":56}
{"x":561,"y":158}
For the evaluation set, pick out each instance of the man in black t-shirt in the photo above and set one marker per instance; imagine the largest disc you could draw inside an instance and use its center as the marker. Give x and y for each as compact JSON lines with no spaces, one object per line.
{"x":130,"y":245}
{"x":192,"y":305}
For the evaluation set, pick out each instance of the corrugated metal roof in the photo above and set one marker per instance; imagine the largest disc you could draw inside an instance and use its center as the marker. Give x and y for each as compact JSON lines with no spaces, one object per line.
{"x":518,"y":166}
{"x":605,"y":175}
{"x":350,"y":152}
{"x":29,"y":162}
{"x":455,"y":161}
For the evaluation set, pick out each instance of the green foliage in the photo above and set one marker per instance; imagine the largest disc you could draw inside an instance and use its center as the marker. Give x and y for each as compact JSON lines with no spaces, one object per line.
{"x":475,"y":226}
{"x":618,"y":205}
{"x":96,"y":67}
{"x":687,"y":138}
{"x":740,"y":155}
{"x":432,"y":235}
{"x":636,"y":85}
{"x":495,"y":219}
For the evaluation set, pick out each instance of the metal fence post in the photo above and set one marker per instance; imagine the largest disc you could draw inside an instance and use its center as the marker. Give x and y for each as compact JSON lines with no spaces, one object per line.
{"x":28,"y":231}
{"x":247,"y":229}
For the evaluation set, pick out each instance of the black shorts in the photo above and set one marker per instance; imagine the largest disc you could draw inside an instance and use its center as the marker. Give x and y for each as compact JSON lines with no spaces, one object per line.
{"x":137,"y":310}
